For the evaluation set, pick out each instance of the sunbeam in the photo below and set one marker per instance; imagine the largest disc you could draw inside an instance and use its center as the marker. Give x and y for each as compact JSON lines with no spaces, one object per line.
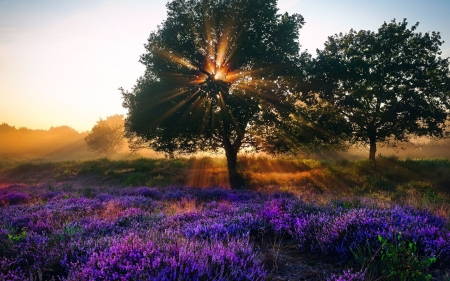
{"x":174,"y":108}
{"x":229,"y":76}
{"x":175,"y":57}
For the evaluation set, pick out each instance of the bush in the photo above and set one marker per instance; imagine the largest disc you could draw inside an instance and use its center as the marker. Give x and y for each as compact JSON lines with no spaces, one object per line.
{"x":402,"y":261}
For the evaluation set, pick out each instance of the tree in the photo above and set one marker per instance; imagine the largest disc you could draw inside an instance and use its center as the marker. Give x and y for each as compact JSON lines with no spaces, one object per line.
{"x":216,"y":78}
{"x":107,"y":136}
{"x":387,"y":85}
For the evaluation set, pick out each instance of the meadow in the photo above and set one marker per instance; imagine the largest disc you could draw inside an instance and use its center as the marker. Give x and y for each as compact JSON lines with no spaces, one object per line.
{"x":176,"y":219}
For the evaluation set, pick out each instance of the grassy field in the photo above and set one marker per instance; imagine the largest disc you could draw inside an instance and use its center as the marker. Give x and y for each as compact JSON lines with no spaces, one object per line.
{"x":407,"y":181}
{"x":177,"y":219}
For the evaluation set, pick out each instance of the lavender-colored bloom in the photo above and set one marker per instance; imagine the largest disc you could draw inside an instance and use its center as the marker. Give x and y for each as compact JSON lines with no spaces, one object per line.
{"x":14,"y":198}
{"x":136,"y":235}
{"x":348,"y":275}
{"x":10,"y":272}
{"x":103,"y":197}
{"x":148,"y":192}
{"x":170,"y":258}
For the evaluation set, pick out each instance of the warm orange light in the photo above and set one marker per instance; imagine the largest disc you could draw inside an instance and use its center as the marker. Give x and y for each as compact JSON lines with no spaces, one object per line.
{"x":218,"y":48}
{"x":221,"y":74}
{"x":205,"y":173}
{"x":176,"y":58}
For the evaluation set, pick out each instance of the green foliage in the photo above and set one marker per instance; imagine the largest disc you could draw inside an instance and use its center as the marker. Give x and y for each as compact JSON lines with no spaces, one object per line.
{"x":98,"y":166}
{"x":72,"y":230}
{"x":365,"y":257}
{"x":18,"y":236}
{"x":29,"y":167}
{"x":66,"y":173}
{"x":395,"y":259}
{"x":389,"y":84}
{"x":402,"y":261}
{"x":87,"y":191}
{"x":216,"y":78}
{"x":419,"y":182}
{"x":135,"y":179}
{"x":312,"y":128}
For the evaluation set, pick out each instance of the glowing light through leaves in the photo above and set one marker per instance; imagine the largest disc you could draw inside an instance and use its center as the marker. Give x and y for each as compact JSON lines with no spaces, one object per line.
{"x":228,"y":79}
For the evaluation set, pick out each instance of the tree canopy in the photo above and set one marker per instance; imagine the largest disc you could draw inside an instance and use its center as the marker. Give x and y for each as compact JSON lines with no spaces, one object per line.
{"x":217,"y":77}
{"x":107,"y":136}
{"x":389,"y":84}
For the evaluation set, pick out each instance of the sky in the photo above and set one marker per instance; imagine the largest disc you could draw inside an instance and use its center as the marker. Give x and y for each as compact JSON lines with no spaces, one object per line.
{"x":62,"y":62}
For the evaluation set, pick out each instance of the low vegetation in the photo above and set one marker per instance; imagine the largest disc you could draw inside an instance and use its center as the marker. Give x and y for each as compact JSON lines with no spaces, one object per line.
{"x":297,"y":218}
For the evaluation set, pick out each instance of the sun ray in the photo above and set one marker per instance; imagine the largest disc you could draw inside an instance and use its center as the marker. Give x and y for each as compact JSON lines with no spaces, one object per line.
{"x":206,"y":114}
{"x":215,"y":76}
{"x":177,"y":58}
{"x":210,"y":43}
{"x":230,"y":113}
{"x":227,"y":42}
{"x":223,"y":46}
{"x":203,"y":174}
{"x":170,"y":95}
{"x":179,"y":75}
{"x":192,"y":108}
{"x":174,"y":108}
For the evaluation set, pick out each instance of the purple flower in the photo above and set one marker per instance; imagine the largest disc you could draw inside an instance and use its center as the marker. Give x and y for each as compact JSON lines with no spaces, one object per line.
{"x":14,"y":198}
{"x":348,"y":275}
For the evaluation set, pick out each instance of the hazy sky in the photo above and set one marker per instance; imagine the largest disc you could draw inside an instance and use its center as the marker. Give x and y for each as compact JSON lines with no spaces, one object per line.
{"x":62,"y":62}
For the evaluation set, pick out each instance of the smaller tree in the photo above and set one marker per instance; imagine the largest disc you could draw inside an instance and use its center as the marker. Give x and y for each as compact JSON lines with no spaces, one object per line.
{"x":386,"y":85}
{"x":107,"y":136}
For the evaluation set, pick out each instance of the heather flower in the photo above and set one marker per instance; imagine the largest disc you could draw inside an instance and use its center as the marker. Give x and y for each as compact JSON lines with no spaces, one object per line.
{"x":50,"y":195}
{"x":348,"y":275}
{"x":9,"y":271}
{"x":168,"y":258}
{"x":103,"y":197}
{"x":136,"y":234}
{"x":148,"y":192}
{"x":14,"y":198}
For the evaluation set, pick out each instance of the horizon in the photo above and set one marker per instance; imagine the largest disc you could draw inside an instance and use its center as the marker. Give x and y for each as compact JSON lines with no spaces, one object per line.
{"x":62,"y":63}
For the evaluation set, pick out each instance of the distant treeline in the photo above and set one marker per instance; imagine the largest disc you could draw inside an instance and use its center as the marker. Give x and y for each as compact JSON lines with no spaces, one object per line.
{"x":56,"y":143}
{"x":65,"y":143}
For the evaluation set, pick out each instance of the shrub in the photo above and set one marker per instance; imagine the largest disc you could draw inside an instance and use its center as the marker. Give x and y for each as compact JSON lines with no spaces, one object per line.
{"x":402,"y":261}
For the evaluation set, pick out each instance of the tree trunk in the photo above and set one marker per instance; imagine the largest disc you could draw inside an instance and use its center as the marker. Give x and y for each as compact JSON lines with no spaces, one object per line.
{"x":236,"y":180}
{"x":231,"y":151}
{"x":373,"y":147}
{"x":231,"y":157}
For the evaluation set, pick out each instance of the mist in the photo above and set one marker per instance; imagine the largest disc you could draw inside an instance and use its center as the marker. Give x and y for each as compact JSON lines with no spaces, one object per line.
{"x":61,"y":143}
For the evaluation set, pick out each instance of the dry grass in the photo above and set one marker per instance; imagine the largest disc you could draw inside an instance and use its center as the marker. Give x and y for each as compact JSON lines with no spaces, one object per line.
{"x":181,"y":207}
{"x":422,"y":183}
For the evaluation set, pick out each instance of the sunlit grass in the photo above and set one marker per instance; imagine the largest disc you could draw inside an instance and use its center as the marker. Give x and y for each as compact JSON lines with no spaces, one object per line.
{"x":423,"y":183}
{"x":181,"y":207}
{"x":208,"y":171}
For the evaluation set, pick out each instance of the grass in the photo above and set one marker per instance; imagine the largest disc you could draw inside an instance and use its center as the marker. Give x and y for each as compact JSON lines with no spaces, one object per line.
{"x":421,"y":183}
{"x":388,"y":177}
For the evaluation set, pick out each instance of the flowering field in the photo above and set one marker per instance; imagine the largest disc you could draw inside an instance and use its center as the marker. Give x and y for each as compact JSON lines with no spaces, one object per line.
{"x":186,"y":233}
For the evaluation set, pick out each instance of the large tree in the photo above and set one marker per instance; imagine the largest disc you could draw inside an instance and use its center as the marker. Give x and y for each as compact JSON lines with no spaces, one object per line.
{"x":388,"y":85}
{"x":216,"y":78}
